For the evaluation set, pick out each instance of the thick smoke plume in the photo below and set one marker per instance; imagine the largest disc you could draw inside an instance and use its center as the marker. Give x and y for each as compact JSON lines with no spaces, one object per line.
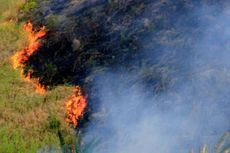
{"x":156,"y":72}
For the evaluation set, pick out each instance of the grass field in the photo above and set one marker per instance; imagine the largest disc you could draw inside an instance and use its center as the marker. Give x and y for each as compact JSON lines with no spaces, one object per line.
{"x":28,"y":121}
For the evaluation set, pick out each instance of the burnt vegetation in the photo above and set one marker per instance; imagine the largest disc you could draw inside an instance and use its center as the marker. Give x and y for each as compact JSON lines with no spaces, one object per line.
{"x":150,"y":40}
{"x":137,"y":36}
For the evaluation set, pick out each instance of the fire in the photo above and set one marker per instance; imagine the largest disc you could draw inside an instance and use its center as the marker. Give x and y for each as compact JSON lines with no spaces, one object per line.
{"x":41,"y":89}
{"x":75,"y":107}
{"x":22,"y":56}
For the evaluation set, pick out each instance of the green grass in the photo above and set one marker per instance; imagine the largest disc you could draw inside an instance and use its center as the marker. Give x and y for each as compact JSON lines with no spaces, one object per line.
{"x":24,"y":115}
{"x":25,"y":125}
{"x":31,"y":4}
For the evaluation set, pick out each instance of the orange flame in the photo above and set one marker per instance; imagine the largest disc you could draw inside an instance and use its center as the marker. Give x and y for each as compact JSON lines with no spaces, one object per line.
{"x":75,"y":107}
{"x":22,"y":56}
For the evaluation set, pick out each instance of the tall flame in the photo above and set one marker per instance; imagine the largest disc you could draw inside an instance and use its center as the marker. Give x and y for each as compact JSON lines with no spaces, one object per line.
{"x":75,"y":107}
{"x":22,"y":56}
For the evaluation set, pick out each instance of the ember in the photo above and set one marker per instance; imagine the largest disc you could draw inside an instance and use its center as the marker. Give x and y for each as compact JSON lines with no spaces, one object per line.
{"x":21,"y":57}
{"x":75,"y":106}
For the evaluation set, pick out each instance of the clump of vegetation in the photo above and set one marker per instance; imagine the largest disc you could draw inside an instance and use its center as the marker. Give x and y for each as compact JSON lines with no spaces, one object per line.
{"x":29,"y":5}
{"x":54,"y":124}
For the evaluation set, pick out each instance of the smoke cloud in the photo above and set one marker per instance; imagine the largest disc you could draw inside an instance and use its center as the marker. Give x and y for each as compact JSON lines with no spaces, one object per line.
{"x":191,"y":108}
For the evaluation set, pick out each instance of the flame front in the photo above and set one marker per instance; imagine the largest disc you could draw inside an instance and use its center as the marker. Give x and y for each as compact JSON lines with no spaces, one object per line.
{"x":75,"y":107}
{"x":22,"y":56}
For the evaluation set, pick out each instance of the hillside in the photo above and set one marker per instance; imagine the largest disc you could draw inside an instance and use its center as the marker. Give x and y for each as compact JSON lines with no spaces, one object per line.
{"x":155,"y":75}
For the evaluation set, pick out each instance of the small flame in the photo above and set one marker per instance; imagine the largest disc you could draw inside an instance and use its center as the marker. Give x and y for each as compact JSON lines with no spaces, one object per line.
{"x":39,"y":88}
{"x":75,"y":107}
{"x":22,"y":56}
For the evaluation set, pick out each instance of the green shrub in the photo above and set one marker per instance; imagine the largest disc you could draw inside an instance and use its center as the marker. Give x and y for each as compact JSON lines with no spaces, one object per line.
{"x":54,"y":124}
{"x":29,"y":5}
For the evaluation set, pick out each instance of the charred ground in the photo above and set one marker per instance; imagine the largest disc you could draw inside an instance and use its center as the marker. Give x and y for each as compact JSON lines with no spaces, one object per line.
{"x":149,"y":39}
{"x":88,"y":37}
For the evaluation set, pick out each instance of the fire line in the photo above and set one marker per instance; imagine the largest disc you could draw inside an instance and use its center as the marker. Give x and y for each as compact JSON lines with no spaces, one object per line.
{"x":22,"y":56}
{"x":75,"y":107}
{"x":76,"y":104}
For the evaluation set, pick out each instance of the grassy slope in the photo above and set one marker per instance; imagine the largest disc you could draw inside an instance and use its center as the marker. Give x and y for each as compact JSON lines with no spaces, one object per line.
{"x":24,"y":115}
{"x":25,"y":124}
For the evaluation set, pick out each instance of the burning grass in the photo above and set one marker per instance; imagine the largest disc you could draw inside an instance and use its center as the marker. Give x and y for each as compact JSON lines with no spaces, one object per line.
{"x":75,"y":107}
{"x":21,"y":57}
{"x":29,"y":121}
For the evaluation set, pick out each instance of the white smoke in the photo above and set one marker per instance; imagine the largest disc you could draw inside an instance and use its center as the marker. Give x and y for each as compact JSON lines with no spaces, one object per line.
{"x":192,"y":112}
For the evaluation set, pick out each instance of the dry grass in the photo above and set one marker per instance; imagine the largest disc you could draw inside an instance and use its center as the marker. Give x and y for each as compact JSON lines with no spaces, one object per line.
{"x":9,"y":9}
{"x":24,"y":115}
